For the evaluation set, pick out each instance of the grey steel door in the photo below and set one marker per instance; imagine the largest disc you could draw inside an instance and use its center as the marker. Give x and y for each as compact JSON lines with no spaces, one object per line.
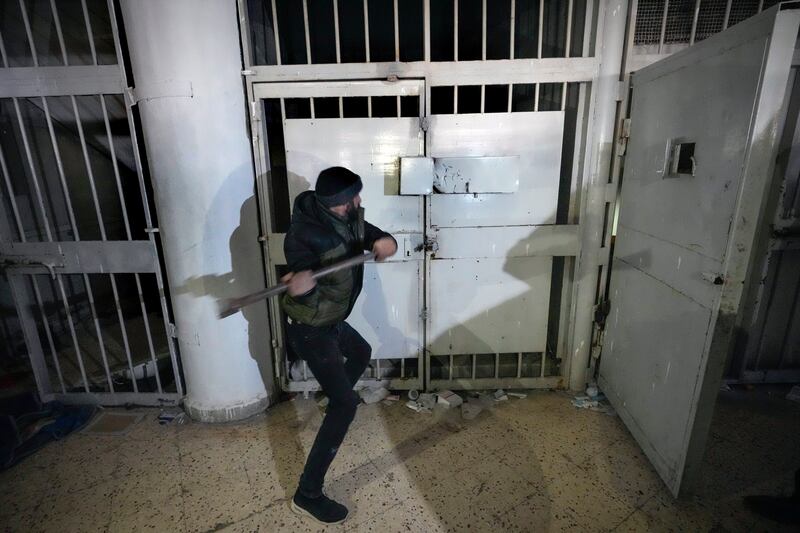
{"x":704,"y":133}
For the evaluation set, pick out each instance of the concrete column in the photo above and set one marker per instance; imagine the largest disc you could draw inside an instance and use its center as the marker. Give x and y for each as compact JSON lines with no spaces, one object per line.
{"x":612,"y":16}
{"x":186,"y":64}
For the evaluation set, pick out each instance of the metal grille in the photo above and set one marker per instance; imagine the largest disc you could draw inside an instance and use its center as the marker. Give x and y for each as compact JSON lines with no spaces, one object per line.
{"x":649,"y":17}
{"x":707,"y":16}
{"x":679,"y":21}
{"x":710,"y":18}
{"x":78,"y":239}
{"x":287,"y":32}
{"x":506,"y":98}
{"x":742,"y":9}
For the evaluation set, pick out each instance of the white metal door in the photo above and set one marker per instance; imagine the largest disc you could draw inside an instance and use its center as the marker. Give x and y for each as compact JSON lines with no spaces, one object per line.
{"x":389,"y":312}
{"x":705,"y":126}
{"x":489,"y":271}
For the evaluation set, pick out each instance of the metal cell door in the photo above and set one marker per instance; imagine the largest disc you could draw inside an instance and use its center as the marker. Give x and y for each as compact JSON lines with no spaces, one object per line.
{"x":77,"y":242}
{"x":366,"y":126}
{"x":491,"y":218}
{"x":704,"y":134}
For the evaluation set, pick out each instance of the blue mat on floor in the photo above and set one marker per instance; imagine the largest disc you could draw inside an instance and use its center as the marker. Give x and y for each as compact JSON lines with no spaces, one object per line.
{"x":26,"y":425}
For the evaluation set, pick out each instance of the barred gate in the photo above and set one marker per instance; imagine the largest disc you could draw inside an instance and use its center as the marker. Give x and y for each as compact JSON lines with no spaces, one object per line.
{"x":79,"y":246}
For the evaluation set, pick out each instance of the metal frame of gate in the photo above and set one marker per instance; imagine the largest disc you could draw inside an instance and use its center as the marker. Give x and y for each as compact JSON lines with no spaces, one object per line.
{"x":59,"y":258}
{"x":584,"y":71}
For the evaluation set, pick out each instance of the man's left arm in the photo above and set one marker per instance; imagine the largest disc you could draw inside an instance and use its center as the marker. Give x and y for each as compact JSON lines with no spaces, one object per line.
{"x":379,"y":242}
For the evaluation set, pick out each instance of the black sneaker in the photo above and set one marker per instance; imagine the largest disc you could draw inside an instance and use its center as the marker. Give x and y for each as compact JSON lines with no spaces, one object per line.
{"x":322,"y":509}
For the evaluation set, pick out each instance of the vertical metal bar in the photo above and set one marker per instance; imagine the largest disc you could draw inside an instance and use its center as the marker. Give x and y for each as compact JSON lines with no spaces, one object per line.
{"x":313,"y":111}
{"x":369,"y":107}
{"x":59,"y":32}
{"x":541,"y":27}
{"x":455,"y":30}
{"x":664,"y":26}
{"x":496,"y":366}
{"x":483,"y":98}
{"x":146,"y":208}
{"x":510,"y":95}
{"x":123,"y":206}
{"x":31,"y":166}
{"x":568,"y":46}
{"x":426,"y":20}
{"x":25,"y":315}
{"x":760,"y":6}
{"x":89,"y":171}
{"x":564,"y":96}
{"x":399,"y":111}
{"x":48,"y":334}
{"x":695,"y":17}
{"x":377,"y":369}
{"x":11,"y":196}
{"x":366,"y":30}
{"x":396,"y":32}
{"x":544,"y":363}
{"x":3,"y":52}
{"x":519,"y":365}
{"x":149,"y":334}
{"x":305,"y":371}
{"x":727,"y":15}
{"x":536,"y":97}
{"x":89,"y":31}
{"x":308,"y":33}
{"x":275,"y":31}
{"x":402,"y":368}
{"x":450,"y":371}
{"x":341,"y":107}
{"x":512,"y":25}
{"x":28,"y":32}
{"x":338,"y":38}
{"x":484,"y":30}
{"x":93,"y":188}
{"x":72,"y":331}
{"x":455,"y":99}
{"x":474,"y":366}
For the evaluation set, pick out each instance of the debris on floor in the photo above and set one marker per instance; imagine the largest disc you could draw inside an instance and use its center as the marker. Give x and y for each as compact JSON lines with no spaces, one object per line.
{"x":594,"y":403}
{"x":794,"y":394}
{"x":519,"y":395}
{"x":449,"y":398}
{"x":169,"y":416}
{"x":500,"y":395}
{"x":415,"y":406}
{"x":427,"y":400}
{"x":370,"y":395}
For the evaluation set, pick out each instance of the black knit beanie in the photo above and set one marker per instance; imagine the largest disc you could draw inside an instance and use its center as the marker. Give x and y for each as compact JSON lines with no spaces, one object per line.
{"x":337,"y":186}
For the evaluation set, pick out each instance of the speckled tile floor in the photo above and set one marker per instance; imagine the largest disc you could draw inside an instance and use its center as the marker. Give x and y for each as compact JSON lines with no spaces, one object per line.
{"x":536,"y":464}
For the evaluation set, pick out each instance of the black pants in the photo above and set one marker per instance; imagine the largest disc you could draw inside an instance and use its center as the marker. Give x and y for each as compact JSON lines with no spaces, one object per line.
{"x":324,"y":349}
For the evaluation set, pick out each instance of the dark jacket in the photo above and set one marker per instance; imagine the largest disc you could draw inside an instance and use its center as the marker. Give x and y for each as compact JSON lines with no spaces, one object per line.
{"x":318,"y":237}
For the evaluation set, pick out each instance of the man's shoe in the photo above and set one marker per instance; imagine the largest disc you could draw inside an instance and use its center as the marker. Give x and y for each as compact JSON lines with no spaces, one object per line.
{"x":322,"y":509}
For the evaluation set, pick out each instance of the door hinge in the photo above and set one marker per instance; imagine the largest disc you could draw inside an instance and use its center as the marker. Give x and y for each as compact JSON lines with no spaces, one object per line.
{"x":248,"y":72}
{"x":172,"y":331}
{"x":423,"y":315}
{"x":624,"y":135}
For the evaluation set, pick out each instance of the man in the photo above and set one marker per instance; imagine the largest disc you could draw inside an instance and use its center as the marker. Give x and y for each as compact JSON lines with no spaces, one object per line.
{"x":327,"y":227}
